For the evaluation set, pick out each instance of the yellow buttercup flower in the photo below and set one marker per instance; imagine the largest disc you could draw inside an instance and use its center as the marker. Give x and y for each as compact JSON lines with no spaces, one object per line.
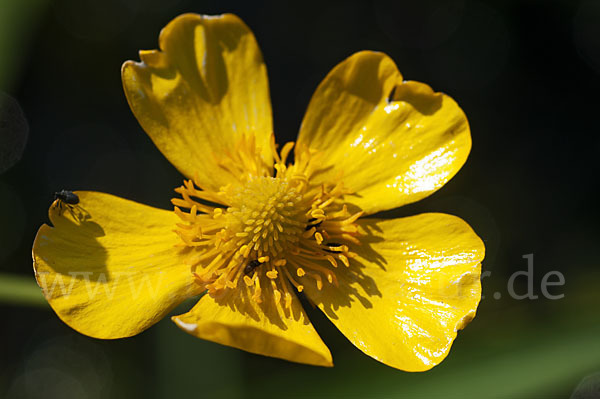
{"x":252,"y":230}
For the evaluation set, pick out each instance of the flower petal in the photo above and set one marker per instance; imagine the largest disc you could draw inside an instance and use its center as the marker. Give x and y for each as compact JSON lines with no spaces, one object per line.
{"x":109,"y":267}
{"x":267,"y":329}
{"x":201,"y":93}
{"x":396,"y":142}
{"x":415,"y":282}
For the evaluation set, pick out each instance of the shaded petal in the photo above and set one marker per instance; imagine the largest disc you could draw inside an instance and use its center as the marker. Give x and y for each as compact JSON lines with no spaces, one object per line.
{"x":396,"y":142}
{"x":201,"y":93}
{"x":267,"y":329}
{"x":415,"y":282}
{"x":109,"y":267}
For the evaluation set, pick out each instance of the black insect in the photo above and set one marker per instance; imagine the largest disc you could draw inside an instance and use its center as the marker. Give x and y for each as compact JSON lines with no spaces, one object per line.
{"x":332,"y":245}
{"x":310,"y":225}
{"x":253,"y":264}
{"x":66,"y":198}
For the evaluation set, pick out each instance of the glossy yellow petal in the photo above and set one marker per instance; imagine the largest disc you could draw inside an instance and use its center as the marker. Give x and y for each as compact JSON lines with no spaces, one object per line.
{"x":414,"y":283}
{"x":267,"y":329}
{"x":395,"y":142}
{"x":109,"y":267}
{"x":201,"y":93}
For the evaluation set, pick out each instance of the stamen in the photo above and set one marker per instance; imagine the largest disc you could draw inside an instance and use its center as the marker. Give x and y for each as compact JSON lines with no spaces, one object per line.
{"x":315,"y":267}
{"x":318,"y":280}
{"x":280,"y":262}
{"x":257,"y":291}
{"x":272,"y":274}
{"x":319,"y":238}
{"x":276,"y":292}
{"x":288,"y":300}
{"x":344,"y":259}
{"x":298,"y":286}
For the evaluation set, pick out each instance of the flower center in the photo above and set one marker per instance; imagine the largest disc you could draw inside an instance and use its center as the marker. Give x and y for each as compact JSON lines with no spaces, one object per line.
{"x":271,"y":233}
{"x":265,"y":217}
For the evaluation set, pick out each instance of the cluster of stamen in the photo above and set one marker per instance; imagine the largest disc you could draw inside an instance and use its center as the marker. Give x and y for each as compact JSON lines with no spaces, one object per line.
{"x":266,"y":232}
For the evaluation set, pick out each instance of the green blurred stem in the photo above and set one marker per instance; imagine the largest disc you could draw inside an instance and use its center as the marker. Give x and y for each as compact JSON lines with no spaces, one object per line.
{"x":20,"y":290}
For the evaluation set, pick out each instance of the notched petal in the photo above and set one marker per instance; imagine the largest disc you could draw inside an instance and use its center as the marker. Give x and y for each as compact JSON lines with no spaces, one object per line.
{"x":202,"y":93}
{"x":110,"y":267}
{"x":395,"y":141}
{"x":414,"y":283}
{"x":235,"y":319}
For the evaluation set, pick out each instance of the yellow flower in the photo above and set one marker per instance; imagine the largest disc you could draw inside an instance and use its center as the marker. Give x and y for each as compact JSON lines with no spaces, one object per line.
{"x":252,"y":230}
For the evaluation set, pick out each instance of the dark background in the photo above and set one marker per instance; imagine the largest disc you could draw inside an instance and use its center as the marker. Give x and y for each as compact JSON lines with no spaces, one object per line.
{"x":526,"y":73}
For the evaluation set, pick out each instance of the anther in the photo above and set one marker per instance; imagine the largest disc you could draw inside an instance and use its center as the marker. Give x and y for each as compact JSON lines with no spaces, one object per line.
{"x":319,"y":238}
